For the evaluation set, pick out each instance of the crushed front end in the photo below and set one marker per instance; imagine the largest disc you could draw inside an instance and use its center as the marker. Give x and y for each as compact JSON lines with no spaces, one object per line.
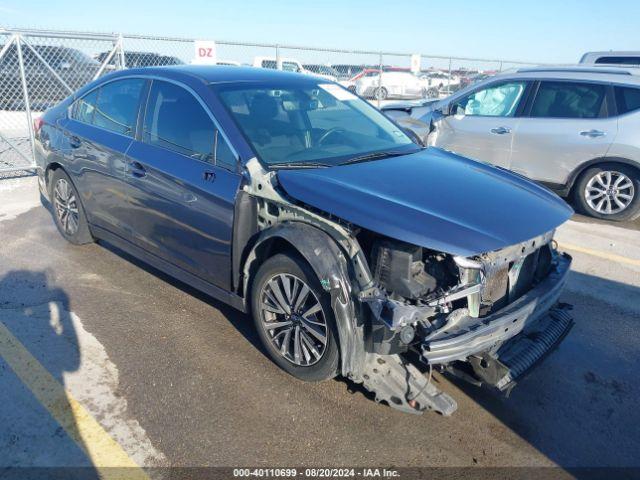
{"x":487,"y":319}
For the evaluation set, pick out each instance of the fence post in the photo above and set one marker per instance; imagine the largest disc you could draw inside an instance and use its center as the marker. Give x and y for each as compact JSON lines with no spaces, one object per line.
{"x":123,"y":62}
{"x":500,"y":67}
{"x":379,"y":91}
{"x":25,"y":93}
{"x":449,"y":79}
{"x":278,"y":59}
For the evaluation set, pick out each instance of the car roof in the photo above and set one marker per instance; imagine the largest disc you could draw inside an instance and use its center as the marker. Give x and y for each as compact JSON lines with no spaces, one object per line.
{"x":605,"y":73}
{"x":220,"y":73}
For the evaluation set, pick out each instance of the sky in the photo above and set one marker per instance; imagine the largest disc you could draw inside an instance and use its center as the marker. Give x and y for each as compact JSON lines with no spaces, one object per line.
{"x":542,"y":31}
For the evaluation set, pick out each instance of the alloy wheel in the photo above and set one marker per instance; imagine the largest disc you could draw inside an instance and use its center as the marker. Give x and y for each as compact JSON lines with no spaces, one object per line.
{"x":66,"y":206}
{"x":609,"y":192}
{"x":293,"y":319}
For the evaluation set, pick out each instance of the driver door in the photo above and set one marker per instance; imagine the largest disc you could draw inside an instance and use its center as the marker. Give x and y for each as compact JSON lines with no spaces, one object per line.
{"x":481,"y":124}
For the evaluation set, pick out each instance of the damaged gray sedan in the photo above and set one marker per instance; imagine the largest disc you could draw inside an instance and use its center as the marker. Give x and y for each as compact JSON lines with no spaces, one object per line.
{"x":356,"y":251}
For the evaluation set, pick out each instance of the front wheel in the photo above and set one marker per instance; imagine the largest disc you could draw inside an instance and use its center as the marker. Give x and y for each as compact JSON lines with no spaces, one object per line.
{"x":294,"y":318}
{"x":610,"y":192}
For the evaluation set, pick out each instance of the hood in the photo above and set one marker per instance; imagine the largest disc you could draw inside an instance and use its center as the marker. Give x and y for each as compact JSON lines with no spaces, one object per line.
{"x":433,"y":199}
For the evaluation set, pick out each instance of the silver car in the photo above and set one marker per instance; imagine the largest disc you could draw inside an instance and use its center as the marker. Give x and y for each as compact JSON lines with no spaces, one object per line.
{"x":573,"y":129}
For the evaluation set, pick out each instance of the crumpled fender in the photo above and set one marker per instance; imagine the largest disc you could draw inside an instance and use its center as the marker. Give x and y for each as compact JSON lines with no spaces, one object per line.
{"x":330,"y":264}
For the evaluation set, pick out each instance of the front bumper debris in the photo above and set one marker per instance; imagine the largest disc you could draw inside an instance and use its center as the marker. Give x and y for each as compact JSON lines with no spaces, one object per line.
{"x":442,"y":347}
{"x":519,"y":355}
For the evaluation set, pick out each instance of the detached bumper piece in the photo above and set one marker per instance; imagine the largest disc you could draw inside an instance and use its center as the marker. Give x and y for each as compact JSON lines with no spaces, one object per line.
{"x":515,"y":358}
{"x":403,"y":386}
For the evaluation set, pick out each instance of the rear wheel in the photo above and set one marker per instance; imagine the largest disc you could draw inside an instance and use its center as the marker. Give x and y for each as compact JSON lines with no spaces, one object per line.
{"x":609,"y":191}
{"x":294,"y":318}
{"x":67,"y":210}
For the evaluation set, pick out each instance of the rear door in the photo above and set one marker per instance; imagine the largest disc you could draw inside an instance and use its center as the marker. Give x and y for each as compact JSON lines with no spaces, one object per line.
{"x":183,"y":179}
{"x":567,"y":123}
{"x":482,"y":123}
{"x":99,"y":131}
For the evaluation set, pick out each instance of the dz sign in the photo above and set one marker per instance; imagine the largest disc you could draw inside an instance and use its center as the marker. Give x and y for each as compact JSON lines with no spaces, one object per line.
{"x":204,"y":52}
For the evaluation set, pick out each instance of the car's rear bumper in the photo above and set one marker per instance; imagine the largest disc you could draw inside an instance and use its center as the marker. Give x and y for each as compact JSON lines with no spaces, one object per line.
{"x":496,"y":329}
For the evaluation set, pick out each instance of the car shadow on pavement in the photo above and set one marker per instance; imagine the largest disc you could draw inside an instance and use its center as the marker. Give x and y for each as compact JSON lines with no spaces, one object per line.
{"x":579,"y":406}
{"x":37,"y":420}
{"x":241,"y":321}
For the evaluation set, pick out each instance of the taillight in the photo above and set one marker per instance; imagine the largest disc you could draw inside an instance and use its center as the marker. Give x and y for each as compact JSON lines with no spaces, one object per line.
{"x":37,"y":124}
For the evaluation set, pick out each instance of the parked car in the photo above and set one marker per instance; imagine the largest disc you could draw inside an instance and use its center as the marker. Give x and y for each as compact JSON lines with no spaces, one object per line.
{"x":351,"y":83}
{"x":355,"y":250}
{"x":390,"y":85}
{"x":612,"y":58}
{"x":439,"y":83}
{"x":475,"y":78}
{"x":573,"y":129}
{"x":140,"y":59}
{"x":323,"y":71}
{"x":347,"y":71}
{"x":71,"y":66}
{"x":288,"y":64}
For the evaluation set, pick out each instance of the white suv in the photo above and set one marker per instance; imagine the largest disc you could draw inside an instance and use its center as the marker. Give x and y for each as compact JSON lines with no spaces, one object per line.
{"x":574,"y":129}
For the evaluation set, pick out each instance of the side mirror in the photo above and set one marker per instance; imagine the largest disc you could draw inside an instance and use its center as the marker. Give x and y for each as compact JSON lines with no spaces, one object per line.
{"x":445,"y":110}
{"x":458,"y":111}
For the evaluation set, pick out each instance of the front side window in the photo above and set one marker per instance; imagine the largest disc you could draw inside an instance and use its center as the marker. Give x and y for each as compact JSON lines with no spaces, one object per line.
{"x":117,"y":106}
{"x":494,"y":101}
{"x":309,"y":123}
{"x":627,"y":99}
{"x":176,"y":121}
{"x":568,"y":100}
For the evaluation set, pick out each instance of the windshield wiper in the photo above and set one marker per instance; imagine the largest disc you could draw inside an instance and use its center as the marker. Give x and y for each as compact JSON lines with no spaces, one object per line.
{"x":285,"y":165}
{"x":374,"y":156}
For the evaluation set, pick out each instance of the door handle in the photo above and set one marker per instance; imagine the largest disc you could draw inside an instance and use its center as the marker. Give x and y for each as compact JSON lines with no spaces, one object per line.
{"x":593,"y":133}
{"x":137,"y":170}
{"x":500,"y":130}
{"x":75,"y":142}
{"x":209,"y":176}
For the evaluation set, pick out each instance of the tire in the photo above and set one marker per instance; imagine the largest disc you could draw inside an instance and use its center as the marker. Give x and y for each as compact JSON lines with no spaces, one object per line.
{"x":594,"y":181}
{"x":380,"y":93}
{"x":312,"y":360}
{"x":67,"y":210}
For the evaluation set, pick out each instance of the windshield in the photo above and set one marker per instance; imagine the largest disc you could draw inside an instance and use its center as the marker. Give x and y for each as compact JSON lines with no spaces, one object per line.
{"x":310,"y":124}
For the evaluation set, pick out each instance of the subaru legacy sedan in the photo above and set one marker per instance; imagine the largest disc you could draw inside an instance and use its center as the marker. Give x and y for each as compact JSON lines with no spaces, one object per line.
{"x":292,"y":199}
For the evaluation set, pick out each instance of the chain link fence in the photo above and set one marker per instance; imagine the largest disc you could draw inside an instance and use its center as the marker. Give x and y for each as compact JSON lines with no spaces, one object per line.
{"x":39,"y":68}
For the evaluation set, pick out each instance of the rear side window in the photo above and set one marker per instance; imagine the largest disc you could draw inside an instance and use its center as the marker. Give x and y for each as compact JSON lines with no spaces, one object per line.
{"x":113,"y":107}
{"x":568,"y":100}
{"x":627,"y":99}
{"x":117,"y":106}
{"x":176,"y":121}
{"x":85,"y":107}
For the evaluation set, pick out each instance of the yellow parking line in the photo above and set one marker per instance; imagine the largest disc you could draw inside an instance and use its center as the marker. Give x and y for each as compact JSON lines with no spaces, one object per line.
{"x":597,"y":253}
{"x":99,"y":446}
